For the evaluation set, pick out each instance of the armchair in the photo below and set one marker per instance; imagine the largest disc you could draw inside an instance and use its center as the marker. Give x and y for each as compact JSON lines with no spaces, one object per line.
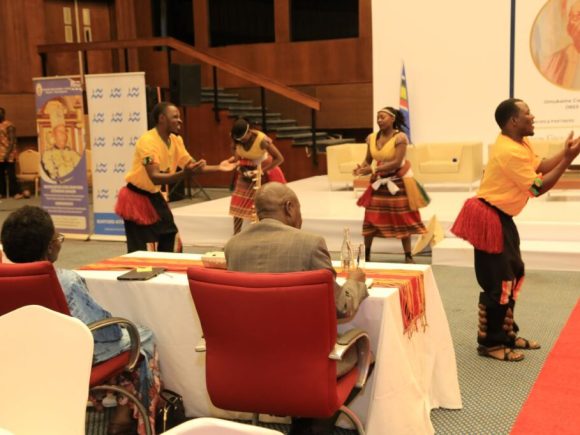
{"x":342,"y":159}
{"x":28,"y":168}
{"x":37,"y":284}
{"x":46,"y":364}
{"x":214,"y":426}
{"x":450,"y":162}
{"x":271,"y":343}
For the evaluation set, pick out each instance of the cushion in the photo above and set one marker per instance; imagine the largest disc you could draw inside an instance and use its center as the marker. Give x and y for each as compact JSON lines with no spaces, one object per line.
{"x":347,"y":167}
{"x":439,"y":167}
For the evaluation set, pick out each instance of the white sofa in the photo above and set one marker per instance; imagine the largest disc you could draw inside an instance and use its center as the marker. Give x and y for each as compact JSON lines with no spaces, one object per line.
{"x":447,"y":162}
{"x":341,"y":160}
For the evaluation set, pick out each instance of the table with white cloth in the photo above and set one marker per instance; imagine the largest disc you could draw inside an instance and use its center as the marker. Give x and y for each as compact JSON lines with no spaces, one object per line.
{"x":412,"y":375}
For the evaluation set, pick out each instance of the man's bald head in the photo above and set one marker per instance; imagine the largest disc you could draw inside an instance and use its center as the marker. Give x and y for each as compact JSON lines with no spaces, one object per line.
{"x":277,"y":201}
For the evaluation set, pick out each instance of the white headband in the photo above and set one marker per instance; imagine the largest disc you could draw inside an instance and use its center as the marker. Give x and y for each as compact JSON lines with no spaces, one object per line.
{"x":387,"y":111}
{"x":245,"y":132}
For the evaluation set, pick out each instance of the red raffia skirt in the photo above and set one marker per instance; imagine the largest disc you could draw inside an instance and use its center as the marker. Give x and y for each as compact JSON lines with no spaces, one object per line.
{"x":479,"y":224}
{"x":390,"y":216}
{"x":242,"y":203}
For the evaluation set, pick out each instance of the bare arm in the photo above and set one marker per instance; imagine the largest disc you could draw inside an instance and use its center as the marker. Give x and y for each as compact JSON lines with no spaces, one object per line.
{"x":277,"y":157}
{"x":548,"y":164}
{"x":571,"y":151}
{"x":365,"y":167}
{"x":158,"y":178}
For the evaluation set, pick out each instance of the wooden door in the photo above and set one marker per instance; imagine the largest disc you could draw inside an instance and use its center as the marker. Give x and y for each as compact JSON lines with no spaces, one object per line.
{"x":95,"y":19}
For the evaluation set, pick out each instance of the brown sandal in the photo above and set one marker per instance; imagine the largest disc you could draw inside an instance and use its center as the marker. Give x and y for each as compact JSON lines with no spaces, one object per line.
{"x":508,"y":354}
{"x":527,"y":344}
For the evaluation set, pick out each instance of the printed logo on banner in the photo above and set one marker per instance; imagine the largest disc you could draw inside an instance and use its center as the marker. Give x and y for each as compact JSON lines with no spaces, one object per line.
{"x":97,"y":93}
{"x":121,"y":121}
{"x":133,"y":92}
{"x":63,"y":173}
{"x":99,"y":142}
{"x":115,"y":93}
{"x":103,"y":194}
{"x":99,"y":118}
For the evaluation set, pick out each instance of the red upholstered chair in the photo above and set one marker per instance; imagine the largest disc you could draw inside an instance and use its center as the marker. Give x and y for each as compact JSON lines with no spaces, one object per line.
{"x":37,"y":284}
{"x":271,"y":343}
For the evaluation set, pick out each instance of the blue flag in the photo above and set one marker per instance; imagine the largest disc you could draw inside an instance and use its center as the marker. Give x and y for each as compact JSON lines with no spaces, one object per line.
{"x":404,"y":104}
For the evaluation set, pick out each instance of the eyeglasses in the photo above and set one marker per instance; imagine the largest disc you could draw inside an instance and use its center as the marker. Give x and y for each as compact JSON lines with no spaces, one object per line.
{"x":59,"y":237}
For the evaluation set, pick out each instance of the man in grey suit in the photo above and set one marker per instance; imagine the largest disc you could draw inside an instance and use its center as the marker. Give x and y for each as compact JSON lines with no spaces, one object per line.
{"x":276,"y":244}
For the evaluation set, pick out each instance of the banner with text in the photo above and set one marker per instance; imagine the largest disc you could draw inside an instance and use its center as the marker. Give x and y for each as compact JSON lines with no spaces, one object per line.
{"x":547,"y":71}
{"x":61,"y":143}
{"x":117,"y":118}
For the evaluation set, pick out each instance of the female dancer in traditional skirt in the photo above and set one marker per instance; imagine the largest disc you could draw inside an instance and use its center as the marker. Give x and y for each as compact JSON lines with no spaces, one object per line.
{"x":388,"y":213}
{"x":258,"y":162}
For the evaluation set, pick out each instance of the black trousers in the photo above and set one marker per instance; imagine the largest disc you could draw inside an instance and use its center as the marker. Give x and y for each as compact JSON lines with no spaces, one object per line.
{"x":8,"y":169}
{"x":500,"y":276}
{"x":162,"y":232}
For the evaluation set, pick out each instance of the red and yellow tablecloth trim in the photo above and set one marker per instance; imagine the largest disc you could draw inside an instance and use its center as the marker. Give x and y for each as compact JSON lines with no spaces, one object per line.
{"x":409,"y":282}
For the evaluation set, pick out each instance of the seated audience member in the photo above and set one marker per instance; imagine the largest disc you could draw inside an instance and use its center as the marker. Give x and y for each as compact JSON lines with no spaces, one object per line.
{"x":28,"y":235}
{"x":276,"y":244}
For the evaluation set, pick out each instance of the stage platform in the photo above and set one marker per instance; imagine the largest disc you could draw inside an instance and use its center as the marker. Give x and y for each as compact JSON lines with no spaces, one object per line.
{"x":551,"y":222}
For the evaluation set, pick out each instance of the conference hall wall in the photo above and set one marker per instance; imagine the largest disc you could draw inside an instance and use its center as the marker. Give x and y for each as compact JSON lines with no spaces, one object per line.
{"x":456,"y":56}
{"x":457,"y":59}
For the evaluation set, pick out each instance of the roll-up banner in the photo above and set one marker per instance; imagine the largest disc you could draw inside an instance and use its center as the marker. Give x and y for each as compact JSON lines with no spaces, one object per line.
{"x":117,"y":109}
{"x":547,"y":65}
{"x":61,"y":143}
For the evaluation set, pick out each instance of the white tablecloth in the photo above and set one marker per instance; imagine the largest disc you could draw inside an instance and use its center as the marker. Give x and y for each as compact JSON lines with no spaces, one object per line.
{"x":411,"y":376}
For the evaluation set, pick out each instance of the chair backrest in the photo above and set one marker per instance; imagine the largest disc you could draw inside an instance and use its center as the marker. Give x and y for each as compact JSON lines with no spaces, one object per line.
{"x":46,"y":364}
{"x":29,"y":161}
{"x":214,"y":426}
{"x":30,"y":284}
{"x":268,"y":337}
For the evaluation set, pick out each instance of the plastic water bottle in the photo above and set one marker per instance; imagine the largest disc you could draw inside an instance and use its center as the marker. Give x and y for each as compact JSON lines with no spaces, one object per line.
{"x":346,"y":252}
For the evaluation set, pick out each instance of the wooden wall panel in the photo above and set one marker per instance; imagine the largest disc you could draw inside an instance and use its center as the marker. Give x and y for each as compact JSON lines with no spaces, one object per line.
{"x":207,"y":139}
{"x":306,"y":63}
{"x":20,"y":109}
{"x":22,"y":27}
{"x":344,"y":106}
{"x":126,"y":26}
{"x":282,"y":20}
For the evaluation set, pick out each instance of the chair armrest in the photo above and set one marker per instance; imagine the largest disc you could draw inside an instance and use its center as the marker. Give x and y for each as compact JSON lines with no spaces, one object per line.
{"x":344,"y":342}
{"x":200,"y":347}
{"x":133,"y":335}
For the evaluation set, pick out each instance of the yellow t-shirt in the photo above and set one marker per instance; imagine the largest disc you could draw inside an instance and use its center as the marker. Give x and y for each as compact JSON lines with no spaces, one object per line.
{"x":509,"y":175}
{"x":387,"y":152}
{"x":255,"y":152}
{"x":150,"y":148}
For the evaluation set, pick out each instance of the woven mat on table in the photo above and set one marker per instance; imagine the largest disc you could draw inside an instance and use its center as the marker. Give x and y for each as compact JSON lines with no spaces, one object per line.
{"x":124,"y":263}
{"x":409,"y":282}
{"x":411,"y":294}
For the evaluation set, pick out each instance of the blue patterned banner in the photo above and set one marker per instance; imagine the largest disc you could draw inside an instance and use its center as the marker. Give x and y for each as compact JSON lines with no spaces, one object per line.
{"x":118,"y":117}
{"x":61,"y":143}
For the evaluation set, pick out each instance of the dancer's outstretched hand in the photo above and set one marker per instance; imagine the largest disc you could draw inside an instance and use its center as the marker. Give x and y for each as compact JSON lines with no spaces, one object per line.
{"x":227,"y":165}
{"x":572,"y":147}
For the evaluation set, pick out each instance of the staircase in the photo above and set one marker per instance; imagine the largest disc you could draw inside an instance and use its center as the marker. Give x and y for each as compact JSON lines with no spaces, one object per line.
{"x":301,"y":135}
